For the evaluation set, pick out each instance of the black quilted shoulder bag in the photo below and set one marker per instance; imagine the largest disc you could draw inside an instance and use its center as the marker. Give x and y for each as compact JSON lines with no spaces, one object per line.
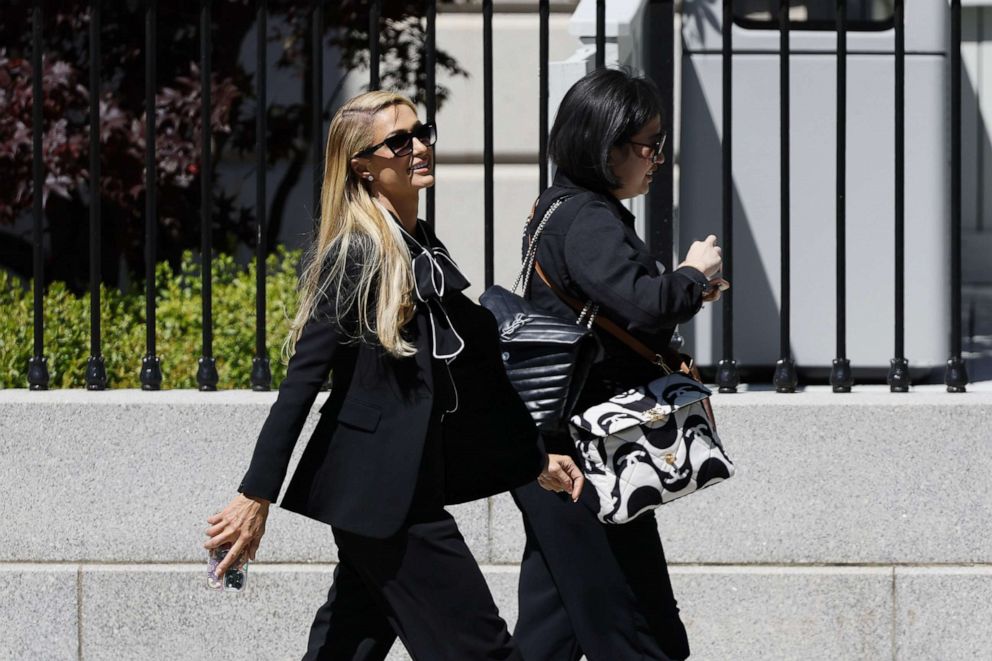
{"x":547,"y":357}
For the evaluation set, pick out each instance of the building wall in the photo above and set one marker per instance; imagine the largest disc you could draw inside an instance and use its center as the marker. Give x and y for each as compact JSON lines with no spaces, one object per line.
{"x":976,"y":142}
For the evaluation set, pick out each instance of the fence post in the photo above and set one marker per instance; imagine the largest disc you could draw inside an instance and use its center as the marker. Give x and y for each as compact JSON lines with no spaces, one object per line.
{"x":151,"y":367}
{"x":543,"y":11}
{"x":600,"y":34}
{"x":841,"y":378}
{"x":38,"y":364}
{"x":96,"y":373}
{"x":898,"y":377}
{"x":956,"y":374}
{"x":375,"y":12}
{"x":261,"y":374}
{"x":206,"y":374}
{"x":727,"y":377}
{"x":487,"y":112}
{"x":430,"y":94}
{"x":659,"y":65}
{"x":317,"y":105}
{"x":785,"y":369}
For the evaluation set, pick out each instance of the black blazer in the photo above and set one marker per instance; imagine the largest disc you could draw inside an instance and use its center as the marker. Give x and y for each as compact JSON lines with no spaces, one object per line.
{"x":360,"y":466}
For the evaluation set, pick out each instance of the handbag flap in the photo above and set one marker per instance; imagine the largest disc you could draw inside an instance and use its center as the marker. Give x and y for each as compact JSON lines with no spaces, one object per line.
{"x":652,"y":403}
{"x":521,"y":322}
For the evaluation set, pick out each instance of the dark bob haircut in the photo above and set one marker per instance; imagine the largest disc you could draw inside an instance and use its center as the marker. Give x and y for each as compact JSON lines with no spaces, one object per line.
{"x":604,"y":109}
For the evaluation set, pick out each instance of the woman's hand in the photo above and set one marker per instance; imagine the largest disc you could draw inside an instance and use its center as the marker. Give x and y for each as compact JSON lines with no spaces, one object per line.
{"x":561,"y":474}
{"x":704,"y":256}
{"x":241,"y":524}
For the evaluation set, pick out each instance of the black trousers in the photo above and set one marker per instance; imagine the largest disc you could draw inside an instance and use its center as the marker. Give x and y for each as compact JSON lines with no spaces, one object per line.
{"x":588,"y":588}
{"x":422,"y":585}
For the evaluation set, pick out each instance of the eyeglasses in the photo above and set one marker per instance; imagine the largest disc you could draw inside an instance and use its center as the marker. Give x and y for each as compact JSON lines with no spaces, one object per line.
{"x":652,"y":150}
{"x":401,"y":144}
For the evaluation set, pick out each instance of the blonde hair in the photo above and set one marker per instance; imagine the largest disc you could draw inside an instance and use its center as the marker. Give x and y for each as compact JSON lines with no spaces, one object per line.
{"x":359,"y":256}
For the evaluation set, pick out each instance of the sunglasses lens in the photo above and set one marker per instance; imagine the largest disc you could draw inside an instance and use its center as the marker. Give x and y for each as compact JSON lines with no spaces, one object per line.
{"x":401,"y":144}
{"x":427,"y":134}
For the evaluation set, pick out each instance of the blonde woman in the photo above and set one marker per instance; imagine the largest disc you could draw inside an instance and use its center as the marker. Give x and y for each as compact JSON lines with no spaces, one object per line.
{"x":420,"y":413}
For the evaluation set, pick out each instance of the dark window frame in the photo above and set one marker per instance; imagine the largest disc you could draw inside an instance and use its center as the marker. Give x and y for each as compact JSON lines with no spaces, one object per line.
{"x":816,"y":25}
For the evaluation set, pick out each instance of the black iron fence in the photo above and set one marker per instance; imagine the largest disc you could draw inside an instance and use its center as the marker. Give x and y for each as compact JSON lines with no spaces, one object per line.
{"x":727,"y":378}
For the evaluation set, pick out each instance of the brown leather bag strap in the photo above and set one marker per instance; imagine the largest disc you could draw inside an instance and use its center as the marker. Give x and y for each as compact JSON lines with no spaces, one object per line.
{"x":669,"y":359}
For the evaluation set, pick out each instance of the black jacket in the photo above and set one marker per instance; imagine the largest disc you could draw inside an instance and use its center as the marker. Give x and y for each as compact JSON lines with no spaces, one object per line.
{"x":589,"y":249}
{"x":360,"y":467}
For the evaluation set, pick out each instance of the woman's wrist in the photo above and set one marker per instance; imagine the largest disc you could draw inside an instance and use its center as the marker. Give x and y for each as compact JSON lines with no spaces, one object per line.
{"x":696,"y":267}
{"x":262,"y":502}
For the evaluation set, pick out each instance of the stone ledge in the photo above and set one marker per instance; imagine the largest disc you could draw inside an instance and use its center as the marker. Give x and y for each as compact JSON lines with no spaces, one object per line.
{"x":979,"y":394}
{"x":903,"y":483}
{"x":132,"y":475}
{"x":160,"y":466}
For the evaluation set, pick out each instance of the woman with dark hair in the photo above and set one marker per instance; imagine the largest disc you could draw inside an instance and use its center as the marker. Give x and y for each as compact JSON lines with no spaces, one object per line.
{"x":587,"y":587}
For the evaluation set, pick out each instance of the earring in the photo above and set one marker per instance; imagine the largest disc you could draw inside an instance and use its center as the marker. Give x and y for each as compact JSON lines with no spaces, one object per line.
{"x":369,"y":177}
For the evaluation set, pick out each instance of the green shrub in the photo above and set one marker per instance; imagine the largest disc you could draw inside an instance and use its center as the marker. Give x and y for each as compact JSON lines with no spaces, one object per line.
{"x":178,"y":326}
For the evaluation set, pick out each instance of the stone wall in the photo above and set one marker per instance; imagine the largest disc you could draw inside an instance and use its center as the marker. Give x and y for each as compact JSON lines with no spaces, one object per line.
{"x":856,"y":528}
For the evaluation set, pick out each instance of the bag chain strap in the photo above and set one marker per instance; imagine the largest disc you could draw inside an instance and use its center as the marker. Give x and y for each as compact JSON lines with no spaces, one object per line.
{"x":527,"y":267}
{"x":588,"y":314}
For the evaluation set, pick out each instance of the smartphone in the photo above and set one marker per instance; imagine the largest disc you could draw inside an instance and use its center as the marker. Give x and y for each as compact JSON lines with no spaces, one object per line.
{"x":716,"y":283}
{"x":234,"y":579}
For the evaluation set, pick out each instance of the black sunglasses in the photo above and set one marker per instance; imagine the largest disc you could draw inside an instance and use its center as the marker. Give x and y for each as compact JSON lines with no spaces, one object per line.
{"x":401,"y":144}
{"x":654,"y":148}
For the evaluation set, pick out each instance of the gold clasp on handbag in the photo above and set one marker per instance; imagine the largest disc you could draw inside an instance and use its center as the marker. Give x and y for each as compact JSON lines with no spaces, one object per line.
{"x":655,"y":414}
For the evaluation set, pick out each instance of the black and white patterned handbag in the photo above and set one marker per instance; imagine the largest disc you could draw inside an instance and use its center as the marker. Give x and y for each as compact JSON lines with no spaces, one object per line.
{"x":650,"y":445}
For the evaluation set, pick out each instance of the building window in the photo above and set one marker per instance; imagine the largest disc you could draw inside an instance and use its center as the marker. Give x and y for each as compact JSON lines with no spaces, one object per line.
{"x":814,"y":14}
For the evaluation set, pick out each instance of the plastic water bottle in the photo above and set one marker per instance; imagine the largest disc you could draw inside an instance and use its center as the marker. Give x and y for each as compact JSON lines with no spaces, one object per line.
{"x":236,"y":576}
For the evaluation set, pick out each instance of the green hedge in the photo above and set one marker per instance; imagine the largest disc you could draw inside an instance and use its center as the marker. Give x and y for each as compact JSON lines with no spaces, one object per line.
{"x":178,"y":321}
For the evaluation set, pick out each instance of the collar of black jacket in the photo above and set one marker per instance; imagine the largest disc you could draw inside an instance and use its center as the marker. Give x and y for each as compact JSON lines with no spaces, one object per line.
{"x":435,"y":275}
{"x":569,"y":187}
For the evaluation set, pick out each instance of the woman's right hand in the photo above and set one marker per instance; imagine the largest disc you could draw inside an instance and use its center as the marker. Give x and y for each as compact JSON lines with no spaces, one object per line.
{"x":704,"y":256}
{"x":561,"y":474}
{"x":241,"y":524}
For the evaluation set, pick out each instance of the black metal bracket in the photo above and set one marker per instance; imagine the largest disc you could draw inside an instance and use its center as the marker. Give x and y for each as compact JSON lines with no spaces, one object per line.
{"x":261,"y":375}
{"x":898,"y":378}
{"x":785,"y":378}
{"x":727,"y":378}
{"x":206,"y":374}
{"x":38,"y":373}
{"x":96,"y":374}
{"x":841,"y":377}
{"x":956,"y":375}
{"x":151,"y":373}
